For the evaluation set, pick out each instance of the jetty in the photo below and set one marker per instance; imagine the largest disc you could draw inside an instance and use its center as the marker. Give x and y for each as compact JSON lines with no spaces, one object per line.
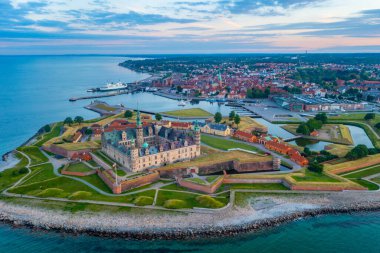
{"x":73,"y":99}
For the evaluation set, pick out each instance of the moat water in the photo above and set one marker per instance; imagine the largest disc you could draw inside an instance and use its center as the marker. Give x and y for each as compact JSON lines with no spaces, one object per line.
{"x":34,"y":90}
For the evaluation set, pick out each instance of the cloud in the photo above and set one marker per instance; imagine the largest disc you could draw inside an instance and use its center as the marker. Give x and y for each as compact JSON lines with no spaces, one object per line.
{"x":263,"y":7}
{"x":364,"y":24}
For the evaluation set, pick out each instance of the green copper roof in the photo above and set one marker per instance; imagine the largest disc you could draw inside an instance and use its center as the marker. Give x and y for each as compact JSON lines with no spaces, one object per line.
{"x":145,"y":145}
{"x":138,"y":119}
{"x":196,"y":127}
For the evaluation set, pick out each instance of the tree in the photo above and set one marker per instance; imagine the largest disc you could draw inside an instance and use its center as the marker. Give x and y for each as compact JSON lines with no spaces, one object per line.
{"x":377,"y":125}
{"x":68,"y":121}
{"x":237,"y":119}
{"x":321,"y":117}
{"x":218,"y":117}
{"x":314,"y":124}
{"x":78,"y":119}
{"x":128,"y":114}
{"x":158,"y":116}
{"x":307,"y":151}
{"x":47,"y":128}
{"x":88,"y":131}
{"x":179,"y":89}
{"x":357,"y":152}
{"x":369,"y":116}
{"x":303,"y":129}
{"x":315,"y":167}
{"x":232,"y":115}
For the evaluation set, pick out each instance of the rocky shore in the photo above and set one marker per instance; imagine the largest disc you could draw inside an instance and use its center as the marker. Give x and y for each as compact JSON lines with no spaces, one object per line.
{"x":260,"y":213}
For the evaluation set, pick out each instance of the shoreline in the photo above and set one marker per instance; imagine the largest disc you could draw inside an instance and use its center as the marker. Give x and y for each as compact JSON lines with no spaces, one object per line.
{"x":169,"y":227}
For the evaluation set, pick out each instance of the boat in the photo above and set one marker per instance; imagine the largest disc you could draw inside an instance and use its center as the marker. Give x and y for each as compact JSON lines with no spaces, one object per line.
{"x":112,"y":87}
{"x":181,"y":103}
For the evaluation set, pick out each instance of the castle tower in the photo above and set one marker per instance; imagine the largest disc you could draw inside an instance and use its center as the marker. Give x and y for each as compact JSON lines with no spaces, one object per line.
{"x":134,"y":158}
{"x":197,"y":137}
{"x":139,"y":131}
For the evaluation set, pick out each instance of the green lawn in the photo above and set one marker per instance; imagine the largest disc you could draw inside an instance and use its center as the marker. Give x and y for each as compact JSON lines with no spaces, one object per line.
{"x":175,"y":187}
{"x":224,"y":144}
{"x":34,"y":154}
{"x":369,"y":185}
{"x":10,"y":176}
{"x":95,"y":180}
{"x":264,"y":186}
{"x":104,"y":157}
{"x":193,"y":112}
{"x":93,"y":163}
{"x":314,"y":177}
{"x":358,"y":176}
{"x":54,"y":132}
{"x":211,"y":179}
{"x":40,"y":173}
{"x":121,"y":173}
{"x":362,"y":173}
{"x":78,"y":167}
{"x":63,"y":187}
{"x":196,"y":180}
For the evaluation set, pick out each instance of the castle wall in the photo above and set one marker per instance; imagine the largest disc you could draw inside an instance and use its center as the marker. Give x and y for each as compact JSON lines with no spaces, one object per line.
{"x":140,"y":181}
{"x":219,"y":167}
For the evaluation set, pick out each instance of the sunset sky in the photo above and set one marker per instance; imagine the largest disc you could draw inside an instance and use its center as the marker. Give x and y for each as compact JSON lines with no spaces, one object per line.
{"x":185,"y":26}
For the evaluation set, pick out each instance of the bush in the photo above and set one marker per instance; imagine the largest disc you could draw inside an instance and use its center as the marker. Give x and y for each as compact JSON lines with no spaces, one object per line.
{"x":143,"y":201}
{"x":128,"y":114}
{"x":209,"y":202}
{"x":369,"y":116}
{"x":23,"y":170}
{"x":174,"y":204}
{"x":315,"y":167}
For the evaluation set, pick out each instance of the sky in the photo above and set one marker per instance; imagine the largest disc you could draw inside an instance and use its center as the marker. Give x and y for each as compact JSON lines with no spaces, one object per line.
{"x":188,"y":26}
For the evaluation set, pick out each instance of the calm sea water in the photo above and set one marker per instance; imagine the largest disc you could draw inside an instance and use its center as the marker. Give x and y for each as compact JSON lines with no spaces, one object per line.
{"x":344,"y":233}
{"x":34,"y":90}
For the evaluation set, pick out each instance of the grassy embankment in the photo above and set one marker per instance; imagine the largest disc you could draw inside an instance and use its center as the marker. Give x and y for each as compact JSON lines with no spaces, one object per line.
{"x":358,"y":176}
{"x":339,"y":134}
{"x":219,"y":157}
{"x":224,"y":144}
{"x":42,"y":182}
{"x":178,"y":200}
{"x":10,"y":176}
{"x":247,"y":124}
{"x":34,"y":154}
{"x":191,"y":113}
{"x":357,"y":119}
{"x":78,"y":167}
{"x":54,"y":132}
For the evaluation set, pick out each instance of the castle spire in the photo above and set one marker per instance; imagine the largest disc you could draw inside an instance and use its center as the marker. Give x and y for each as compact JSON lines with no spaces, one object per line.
{"x":138,"y":117}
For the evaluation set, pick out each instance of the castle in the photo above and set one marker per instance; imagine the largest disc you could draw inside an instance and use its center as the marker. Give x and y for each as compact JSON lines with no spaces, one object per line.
{"x":142,"y":147}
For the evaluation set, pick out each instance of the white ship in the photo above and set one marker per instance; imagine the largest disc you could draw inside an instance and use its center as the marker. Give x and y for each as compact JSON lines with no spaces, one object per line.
{"x":113,"y":86}
{"x":182,"y":103}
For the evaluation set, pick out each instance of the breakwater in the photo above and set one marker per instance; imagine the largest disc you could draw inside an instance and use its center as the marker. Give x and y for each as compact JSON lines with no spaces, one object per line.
{"x":258,"y":216}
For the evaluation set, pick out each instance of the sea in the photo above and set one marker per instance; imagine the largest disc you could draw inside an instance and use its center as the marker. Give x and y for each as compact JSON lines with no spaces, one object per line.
{"x":35,"y":90}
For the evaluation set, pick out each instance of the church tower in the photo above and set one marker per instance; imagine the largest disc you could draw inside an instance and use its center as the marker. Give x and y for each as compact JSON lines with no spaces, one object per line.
{"x":139,"y":131}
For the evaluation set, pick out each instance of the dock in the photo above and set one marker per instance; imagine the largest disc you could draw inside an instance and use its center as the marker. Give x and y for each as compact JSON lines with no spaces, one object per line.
{"x":73,"y":99}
